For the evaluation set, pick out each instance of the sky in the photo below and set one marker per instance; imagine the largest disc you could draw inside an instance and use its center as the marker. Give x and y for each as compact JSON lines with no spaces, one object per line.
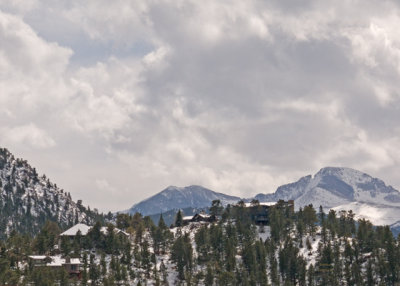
{"x":115,"y":101}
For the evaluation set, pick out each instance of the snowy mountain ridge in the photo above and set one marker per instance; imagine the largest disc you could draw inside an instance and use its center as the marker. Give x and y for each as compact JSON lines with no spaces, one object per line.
{"x":333,"y":186}
{"x":343,"y":189}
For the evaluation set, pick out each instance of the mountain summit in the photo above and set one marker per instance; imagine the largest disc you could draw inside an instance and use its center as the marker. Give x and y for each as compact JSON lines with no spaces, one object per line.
{"x":333,"y":186}
{"x":179,"y":198}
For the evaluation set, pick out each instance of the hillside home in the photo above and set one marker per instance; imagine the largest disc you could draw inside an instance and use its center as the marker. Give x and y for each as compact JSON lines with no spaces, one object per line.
{"x":84,"y":230}
{"x":73,"y":231}
{"x":259,"y":212}
{"x":71,"y":265}
{"x":199,"y":217}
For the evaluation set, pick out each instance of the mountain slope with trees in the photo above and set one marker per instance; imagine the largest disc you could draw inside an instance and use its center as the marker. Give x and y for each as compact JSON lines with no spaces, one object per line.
{"x":28,"y":200}
{"x":307,"y":247}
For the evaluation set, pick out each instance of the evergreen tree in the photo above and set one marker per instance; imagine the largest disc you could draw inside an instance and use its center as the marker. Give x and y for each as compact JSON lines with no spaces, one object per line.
{"x":182,"y":255}
{"x":179,"y":219}
{"x":216,"y":208}
{"x":209,"y":279}
{"x":164,"y":273}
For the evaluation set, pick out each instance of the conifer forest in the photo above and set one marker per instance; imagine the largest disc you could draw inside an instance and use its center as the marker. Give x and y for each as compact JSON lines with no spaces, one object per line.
{"x":307,"y":247}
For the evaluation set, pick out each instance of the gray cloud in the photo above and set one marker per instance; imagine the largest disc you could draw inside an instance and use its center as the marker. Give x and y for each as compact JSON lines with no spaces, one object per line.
{"x":115,"y":102}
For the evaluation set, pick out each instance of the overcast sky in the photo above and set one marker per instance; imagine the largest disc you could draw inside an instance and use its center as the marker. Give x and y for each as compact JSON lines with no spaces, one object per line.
{"x":116,"y":100}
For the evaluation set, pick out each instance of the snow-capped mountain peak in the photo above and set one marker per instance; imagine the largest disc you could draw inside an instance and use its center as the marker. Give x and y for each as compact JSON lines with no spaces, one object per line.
{"x":343,"y":188}
{"x":332,"y":186}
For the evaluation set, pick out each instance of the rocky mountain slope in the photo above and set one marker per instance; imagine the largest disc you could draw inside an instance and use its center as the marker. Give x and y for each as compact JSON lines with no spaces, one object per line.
{"x":178,"y":198}
{"x":28,"y":200}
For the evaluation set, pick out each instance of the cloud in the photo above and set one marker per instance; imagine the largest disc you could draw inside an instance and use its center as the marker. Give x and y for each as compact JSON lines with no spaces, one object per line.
{"x":29,"y":135}
{"x":237,"y":96}
{"x":31,"y":69}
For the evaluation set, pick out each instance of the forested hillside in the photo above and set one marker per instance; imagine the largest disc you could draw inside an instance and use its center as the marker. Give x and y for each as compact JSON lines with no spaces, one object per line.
{"x":28,"y":200}
{"x":307,"y":247}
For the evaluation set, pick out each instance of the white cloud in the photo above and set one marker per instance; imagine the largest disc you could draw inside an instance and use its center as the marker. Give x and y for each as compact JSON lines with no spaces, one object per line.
{"x":156,"y":58}
{"x":240,"y":96}
{"x":27,"y":135}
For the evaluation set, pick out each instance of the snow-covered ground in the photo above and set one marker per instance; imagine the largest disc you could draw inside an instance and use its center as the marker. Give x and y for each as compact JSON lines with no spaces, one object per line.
{"x":377,"y":214}
{"x":263,"y":232}
{"x":310,"y":255}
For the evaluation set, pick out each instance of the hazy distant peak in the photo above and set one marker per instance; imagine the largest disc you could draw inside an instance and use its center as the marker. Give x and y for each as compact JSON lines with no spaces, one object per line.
{"x":174,"y":197}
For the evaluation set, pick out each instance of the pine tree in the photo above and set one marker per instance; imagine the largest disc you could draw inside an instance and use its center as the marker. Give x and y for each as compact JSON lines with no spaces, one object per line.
{"x":182,"y":255}
{"x":145,"y":255}
{"x":179,"y":219}
{"x":164,"y":273}
{"x":370,"y":277}
{"x":310,"y":218}
{"x":216,"y":208}
{"x":209,"y":279}
{"x":202,"y":240}
{"x":311,"y":275}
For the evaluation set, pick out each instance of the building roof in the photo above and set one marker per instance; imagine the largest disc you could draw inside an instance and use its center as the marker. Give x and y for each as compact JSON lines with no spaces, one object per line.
{"x":55,"y":261}
{"x":83,"y":228}
{"x":203,"y":215}
{"x":117,"y":230}
{"x":37,"y":257}
{"x":262,"y":204}
{"x":104,"y":230}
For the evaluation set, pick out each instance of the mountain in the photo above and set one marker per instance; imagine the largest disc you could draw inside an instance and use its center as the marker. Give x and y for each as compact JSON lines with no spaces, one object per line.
{"x":395,"y":228}
{"x":343,"y":189}
{"x":28,"y":200}
{"x":179,"y":198}
{"x":331,"y":187}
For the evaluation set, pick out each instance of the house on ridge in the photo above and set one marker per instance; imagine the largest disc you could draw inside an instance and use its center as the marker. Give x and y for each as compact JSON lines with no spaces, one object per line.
{"x":71,"y":265}
{"x":199,"y":217}
{"x":259,"y":212}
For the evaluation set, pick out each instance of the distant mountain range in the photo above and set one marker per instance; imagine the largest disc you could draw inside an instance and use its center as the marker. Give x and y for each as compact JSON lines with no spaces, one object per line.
{"x":331,"y":187}
{"x":28,"y":200}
